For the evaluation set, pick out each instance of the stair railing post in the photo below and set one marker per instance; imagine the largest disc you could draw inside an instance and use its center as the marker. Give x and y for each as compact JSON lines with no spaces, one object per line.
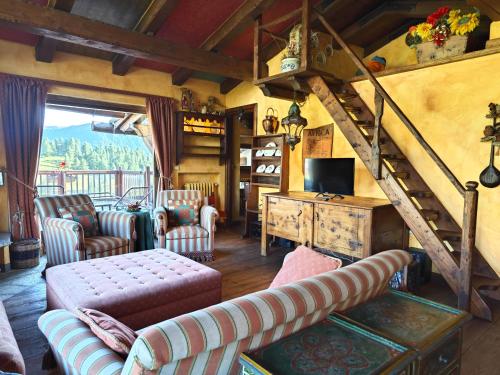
{"x":467,"y":246}
{"x":376,"y":162}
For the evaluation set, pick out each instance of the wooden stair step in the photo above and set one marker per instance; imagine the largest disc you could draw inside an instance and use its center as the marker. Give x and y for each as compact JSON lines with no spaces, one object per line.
{"x":430,"y":215}
{"x":420,"y":193}
{"x":353,"y":109}
{"x":449,"y":235}
{"x":364,"y":123}
{"x":382,"y":140}
{"x":347,"y":95}
{"x":393,"y":157}
{"x":401,"y":175}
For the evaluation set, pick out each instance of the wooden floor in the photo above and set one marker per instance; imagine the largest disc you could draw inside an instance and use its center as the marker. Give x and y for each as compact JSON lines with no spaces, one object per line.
{"x":244,"y":271}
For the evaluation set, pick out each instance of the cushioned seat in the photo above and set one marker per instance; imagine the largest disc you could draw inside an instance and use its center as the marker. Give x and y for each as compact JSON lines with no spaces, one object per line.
{"x":11,"y":359}
{"x":95,"y":245}
{"x":194,"y":231}
{"x":137,"y":289}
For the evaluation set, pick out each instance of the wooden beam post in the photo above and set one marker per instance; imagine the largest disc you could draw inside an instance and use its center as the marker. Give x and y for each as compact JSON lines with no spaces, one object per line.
{"x":376,"y":162}
{"x":467,"y":246}
{"x":94,"y":34}
{"x":257,"y":44}
{"x":306,"y":34}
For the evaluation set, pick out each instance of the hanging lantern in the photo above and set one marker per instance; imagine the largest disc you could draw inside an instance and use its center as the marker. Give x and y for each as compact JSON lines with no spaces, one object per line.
{"x":294,"y":124}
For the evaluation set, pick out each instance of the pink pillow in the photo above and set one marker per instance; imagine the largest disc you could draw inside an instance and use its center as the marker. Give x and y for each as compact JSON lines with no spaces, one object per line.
{"x":302,"y":263}
{"x":113,"y":333}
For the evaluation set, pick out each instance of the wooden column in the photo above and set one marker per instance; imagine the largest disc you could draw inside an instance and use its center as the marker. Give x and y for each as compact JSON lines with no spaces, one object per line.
{"x":119,"y":182}
{"x":376,"y":166}
{"x":467,"y":247}
{"x":306,"y":34}
{"x":257,"y":43}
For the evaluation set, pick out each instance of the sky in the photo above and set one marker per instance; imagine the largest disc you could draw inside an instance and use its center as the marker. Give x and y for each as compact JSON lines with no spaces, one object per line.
{"x":62,"y":119}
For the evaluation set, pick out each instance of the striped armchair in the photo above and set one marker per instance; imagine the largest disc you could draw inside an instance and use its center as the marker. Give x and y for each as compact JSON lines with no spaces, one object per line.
{"x":209,"y":341}
{"x":64,"y":240}
{"x":192,"y":241}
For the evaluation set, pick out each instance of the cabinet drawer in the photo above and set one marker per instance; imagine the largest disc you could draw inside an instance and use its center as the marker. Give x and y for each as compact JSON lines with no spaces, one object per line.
{"x":283,"y":218}
{"x":443,"y":358}
{"x":340,"y":229}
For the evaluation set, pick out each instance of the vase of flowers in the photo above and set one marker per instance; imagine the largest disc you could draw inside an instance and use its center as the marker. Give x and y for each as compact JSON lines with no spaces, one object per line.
{"x":445,"y":33}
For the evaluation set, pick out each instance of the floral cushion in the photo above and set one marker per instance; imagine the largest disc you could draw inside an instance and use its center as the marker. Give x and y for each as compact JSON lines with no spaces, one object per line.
{"x":302,"y":263}
{"x":116,"y":335}
{"x":183,"y":212}
{"x":85,"y":215}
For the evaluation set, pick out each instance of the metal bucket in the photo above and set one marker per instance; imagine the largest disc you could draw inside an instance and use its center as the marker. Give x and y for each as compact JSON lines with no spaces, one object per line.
{"x":25,"y":253}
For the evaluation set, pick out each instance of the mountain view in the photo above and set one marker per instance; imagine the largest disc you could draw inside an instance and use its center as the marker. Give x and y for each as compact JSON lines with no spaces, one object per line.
{"x":80,"y":148}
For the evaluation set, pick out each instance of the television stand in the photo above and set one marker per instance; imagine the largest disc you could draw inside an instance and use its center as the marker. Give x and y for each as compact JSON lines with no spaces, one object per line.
{"x":356,"y":227}
{"x":326,"y":196}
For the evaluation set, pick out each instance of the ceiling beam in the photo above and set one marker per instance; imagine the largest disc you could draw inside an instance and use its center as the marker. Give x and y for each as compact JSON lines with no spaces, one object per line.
{"x":83,"y":31}
{"x":490,"y":8}
{"x":402,"y":9}
{"x":46,"y":47}
{"x":149,"y":23}
{"x":234,"y":25}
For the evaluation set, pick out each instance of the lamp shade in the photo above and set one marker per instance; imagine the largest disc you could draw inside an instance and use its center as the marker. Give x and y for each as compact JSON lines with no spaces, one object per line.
{"x":294,"y":125}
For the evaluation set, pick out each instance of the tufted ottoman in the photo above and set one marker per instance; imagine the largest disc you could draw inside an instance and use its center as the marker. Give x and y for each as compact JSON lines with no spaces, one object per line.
{"x":138,"y":289}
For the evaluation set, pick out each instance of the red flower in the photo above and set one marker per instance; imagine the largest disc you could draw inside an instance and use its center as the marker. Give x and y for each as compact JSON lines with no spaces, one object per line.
{"x":434,"y":17}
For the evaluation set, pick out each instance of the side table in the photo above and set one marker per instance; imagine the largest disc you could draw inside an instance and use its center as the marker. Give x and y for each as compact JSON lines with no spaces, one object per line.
{"x":332,"y":346}
{"x":5,"y":242}
{"x":432,"y":330}
{"x":144,"y":231}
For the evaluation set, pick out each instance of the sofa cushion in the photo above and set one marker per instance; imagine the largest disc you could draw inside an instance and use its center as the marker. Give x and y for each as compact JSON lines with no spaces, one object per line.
{"x":302,"y":263}
{"x":193,"y":231}
{"x":85,"y":215}
{"x":99,"y":244}
{"x":116,"y":335}
{"x":11,"y":359}
{"x":183,"y":212}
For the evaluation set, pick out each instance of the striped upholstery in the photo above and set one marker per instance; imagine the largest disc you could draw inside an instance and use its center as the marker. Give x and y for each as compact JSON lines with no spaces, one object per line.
{"x":195,"y":242}
{"x":64,"y":240}
{"x":209,"y":341}
{"x":76,"y":348}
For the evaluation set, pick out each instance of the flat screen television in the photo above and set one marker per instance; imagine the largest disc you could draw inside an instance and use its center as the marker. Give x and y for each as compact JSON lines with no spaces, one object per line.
{"x":333,"y":175}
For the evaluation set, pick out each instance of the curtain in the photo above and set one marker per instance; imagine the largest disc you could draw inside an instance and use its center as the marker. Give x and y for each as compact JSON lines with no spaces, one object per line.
{"x":22,"y":106}
{"x":161,"y":113}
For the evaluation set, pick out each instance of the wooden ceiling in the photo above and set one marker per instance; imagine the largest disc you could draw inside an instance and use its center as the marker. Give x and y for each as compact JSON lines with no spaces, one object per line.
{"x":185,"y":37}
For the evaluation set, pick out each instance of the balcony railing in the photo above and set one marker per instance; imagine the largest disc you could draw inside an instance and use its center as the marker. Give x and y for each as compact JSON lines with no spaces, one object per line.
{"x":106,"y":186}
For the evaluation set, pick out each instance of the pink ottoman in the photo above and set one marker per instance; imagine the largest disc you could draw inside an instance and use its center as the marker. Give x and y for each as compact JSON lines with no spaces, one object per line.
{"x":138,"y":289}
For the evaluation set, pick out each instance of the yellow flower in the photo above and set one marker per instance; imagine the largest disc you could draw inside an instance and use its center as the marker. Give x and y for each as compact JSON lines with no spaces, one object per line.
{"x":453,"y":16}
{"x":424,"y":31}
{"x":465,"y":24}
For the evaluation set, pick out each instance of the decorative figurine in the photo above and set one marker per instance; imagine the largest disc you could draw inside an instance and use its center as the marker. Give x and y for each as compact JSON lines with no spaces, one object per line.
{"x":490,"y":176}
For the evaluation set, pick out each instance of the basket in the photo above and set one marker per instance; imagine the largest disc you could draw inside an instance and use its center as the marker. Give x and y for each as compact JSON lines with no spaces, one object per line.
{"x":25,"y":253}
{"x":454,"y":46}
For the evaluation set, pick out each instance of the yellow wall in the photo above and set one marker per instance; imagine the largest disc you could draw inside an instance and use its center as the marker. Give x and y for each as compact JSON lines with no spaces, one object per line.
{"x":447,"y":104}
{"x":19,"y":59}
{"x":396,"y":53}
{"x":495,"y":30}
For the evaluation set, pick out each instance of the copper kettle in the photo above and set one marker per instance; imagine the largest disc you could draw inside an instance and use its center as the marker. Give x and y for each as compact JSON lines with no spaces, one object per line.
{"x":270,"y":122}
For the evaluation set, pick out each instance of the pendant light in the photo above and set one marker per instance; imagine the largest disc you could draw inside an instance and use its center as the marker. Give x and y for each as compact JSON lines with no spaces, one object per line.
{"x":294,"y":125}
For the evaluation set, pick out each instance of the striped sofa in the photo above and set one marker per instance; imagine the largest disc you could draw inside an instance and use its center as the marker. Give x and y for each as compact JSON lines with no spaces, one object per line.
{"x":192,"y":241}
{"x":64,"y":240}
{"x":209,"y":341}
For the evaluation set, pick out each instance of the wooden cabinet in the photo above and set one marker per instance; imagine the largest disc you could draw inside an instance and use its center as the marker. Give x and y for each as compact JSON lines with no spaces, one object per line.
{"x":353,"y":226}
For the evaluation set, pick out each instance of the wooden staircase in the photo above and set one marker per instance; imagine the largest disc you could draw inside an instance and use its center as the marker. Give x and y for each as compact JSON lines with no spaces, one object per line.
{"x":450,"y":247}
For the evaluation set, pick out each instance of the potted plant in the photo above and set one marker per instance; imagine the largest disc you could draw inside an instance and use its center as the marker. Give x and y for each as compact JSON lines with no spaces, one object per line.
{"x":290,"y":60}
{"x":444,"y":33}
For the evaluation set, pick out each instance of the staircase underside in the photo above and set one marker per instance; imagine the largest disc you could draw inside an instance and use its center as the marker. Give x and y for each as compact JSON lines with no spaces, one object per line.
{"x":427,"y":218}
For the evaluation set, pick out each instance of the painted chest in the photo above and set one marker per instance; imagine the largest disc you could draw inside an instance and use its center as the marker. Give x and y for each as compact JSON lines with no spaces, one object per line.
{"x":432,"y":330}
{"x":332,"y":346}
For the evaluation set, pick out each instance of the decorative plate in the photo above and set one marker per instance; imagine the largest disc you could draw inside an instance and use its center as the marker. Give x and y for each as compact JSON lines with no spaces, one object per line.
{"x":271,"y":144}
{"x":278,"y":169}
{"x":270,"y":168}
{"x":259,"y":153}
{"x":261,"y":168}
{"x":269,"y":152}
{"x":277,"y":153}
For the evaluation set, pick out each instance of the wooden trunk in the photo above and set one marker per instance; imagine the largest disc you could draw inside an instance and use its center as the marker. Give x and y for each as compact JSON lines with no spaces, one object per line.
{"x":454,"y":46}
{"x":355,"y":227}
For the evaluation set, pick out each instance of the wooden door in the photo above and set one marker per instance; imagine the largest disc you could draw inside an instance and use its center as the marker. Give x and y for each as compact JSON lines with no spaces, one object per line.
{"x":284,"y":218}
{"x":340,"y":229}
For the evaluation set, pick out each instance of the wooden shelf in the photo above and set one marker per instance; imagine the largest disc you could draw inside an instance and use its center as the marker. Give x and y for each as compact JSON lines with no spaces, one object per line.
{"x":261,"y":184}
{"x":289,"y":84}
{"x":266,"y":148}
{"x":266,"y":174}
{"x":191,"y":154}
{"x":203,"y":134}
{"x":447,"y":60}
{"x":266,"y":158}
